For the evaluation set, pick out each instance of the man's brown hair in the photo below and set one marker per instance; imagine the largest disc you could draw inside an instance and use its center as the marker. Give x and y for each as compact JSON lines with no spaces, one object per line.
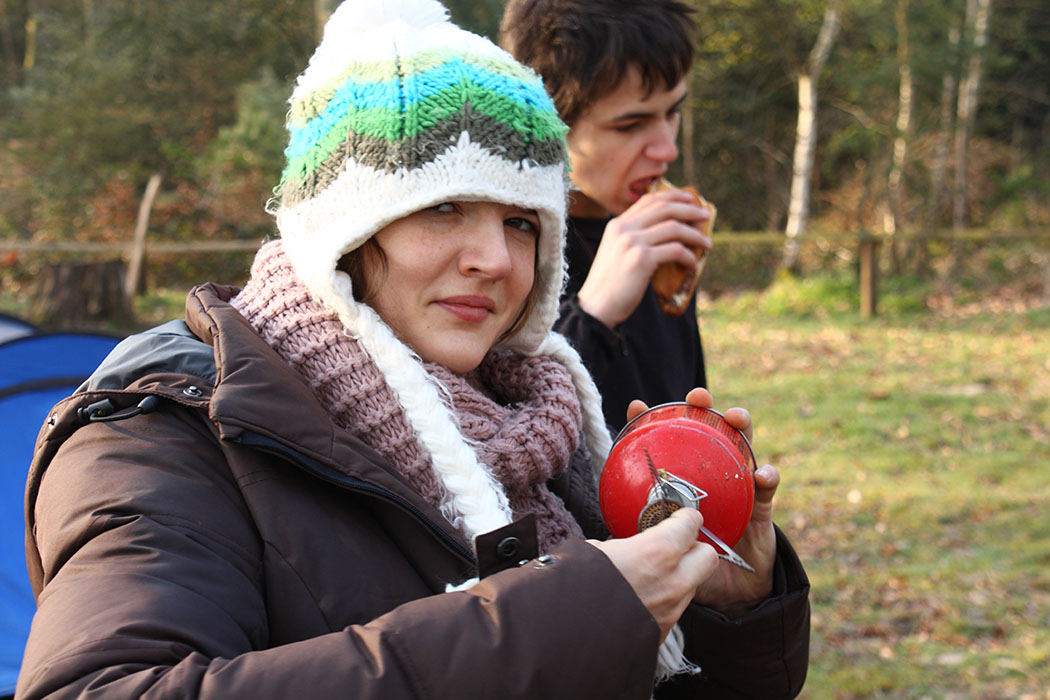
{"x":582,"y":48}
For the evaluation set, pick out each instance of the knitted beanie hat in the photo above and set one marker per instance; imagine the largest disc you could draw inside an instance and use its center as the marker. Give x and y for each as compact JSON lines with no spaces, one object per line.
{"x":399,"y":110}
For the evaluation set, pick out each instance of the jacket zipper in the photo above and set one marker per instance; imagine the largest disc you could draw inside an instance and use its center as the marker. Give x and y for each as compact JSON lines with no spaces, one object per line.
{"x":350,"y":483}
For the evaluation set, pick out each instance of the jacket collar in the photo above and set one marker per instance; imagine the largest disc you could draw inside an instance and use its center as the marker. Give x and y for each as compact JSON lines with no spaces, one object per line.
{"x":257,"y":392}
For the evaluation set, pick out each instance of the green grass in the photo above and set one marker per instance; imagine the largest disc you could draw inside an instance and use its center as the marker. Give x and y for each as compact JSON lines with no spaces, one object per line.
{"x":915,"y":455}
{"x":160,"y":305}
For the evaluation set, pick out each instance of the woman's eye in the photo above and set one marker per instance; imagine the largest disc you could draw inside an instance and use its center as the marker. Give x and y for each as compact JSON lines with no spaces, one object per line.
{"x":445,"y":208}
{"x":625,"y":128}
{"x":523,"y":225}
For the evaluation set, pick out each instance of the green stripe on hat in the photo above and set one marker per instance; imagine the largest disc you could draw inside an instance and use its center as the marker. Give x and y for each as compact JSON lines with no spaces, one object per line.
{"x":379,"y":136}
{"x":501,"y":139}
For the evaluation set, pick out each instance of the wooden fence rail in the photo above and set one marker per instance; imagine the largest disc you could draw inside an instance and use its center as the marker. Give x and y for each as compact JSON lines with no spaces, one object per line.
{"x":729,"y":238}
{"x":867,"y":245}
{"x":181,"y":247}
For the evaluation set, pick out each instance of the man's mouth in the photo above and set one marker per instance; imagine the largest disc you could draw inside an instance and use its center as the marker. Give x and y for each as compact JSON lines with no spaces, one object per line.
{"x":641,"y":186}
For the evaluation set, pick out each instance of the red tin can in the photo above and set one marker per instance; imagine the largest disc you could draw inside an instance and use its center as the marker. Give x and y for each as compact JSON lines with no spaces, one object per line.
{"x":701,"y":460}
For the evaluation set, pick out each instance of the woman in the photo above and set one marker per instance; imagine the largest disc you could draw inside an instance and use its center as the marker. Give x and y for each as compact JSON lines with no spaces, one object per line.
{"x":369,"y":473}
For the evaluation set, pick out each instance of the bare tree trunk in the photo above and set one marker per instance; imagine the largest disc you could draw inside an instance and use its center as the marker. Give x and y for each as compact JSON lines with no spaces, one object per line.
{"x":689,"y":170}
{"x":8,"y":41}
{"x":774,"y":186}
{"x":937,"y":201}
{"x":1017,"y":152}
{"x":80,"y":294}
{"x":977,"y":23}
{"x":133,"y":282}
{"x":801,"y":170}
{"x":89,"y":26}
{"x":806,"y":135}
{"x":900,"y":142}
{"x":29,"y":59}
{"x":939,"y":170}
{"x":977,"y":12}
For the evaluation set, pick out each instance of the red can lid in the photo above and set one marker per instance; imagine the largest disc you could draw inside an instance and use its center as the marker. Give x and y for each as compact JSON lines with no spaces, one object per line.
{"x":686,"y":444}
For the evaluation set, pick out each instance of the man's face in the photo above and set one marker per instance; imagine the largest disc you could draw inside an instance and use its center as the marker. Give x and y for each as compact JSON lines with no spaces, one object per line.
{"x":621,"y":143}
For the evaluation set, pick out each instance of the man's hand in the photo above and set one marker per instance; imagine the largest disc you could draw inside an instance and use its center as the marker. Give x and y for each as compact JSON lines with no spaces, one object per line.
{"x":655,"y":230}
{"x":731,"y":589}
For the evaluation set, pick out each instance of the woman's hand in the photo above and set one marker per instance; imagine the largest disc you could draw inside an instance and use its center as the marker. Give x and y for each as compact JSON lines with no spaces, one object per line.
{"x":665,"y":564}
{"x":731,"y":589}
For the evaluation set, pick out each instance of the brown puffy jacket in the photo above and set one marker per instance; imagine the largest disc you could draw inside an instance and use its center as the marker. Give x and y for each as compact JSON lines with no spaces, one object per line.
{"x":197,"y":527}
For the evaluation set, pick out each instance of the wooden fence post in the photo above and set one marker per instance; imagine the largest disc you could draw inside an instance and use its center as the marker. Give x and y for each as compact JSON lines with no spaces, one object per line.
{"x":138,"y":250}
{"x":869,"y":276}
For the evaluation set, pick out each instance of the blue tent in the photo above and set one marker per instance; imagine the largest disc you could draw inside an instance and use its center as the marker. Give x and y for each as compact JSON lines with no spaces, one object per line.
{"x":11,"y":327}
{"x":36,"y":371}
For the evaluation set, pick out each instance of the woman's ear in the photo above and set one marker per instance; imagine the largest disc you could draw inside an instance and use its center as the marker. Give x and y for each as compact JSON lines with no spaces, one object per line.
{"x":367,"y":267}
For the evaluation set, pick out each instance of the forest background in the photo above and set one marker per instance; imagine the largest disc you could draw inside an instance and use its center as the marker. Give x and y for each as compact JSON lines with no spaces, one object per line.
{"x":914,"y":444}
{"x":815,"y":116}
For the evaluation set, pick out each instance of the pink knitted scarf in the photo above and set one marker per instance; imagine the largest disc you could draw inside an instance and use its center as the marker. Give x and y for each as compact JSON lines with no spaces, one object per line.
{"x":520,"y":414}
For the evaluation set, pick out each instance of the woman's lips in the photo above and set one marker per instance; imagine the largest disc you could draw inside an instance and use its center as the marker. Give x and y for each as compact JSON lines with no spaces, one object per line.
{"x":473,"y":309}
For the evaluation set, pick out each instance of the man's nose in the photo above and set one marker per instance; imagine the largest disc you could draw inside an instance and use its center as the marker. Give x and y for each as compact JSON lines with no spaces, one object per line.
{"x":663,"y":147}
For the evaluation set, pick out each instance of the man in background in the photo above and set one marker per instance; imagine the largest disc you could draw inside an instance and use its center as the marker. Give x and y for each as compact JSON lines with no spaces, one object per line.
{"x":616,"y":71}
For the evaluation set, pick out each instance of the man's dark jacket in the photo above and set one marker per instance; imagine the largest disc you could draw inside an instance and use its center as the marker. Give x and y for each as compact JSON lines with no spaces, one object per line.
{"x":650,"y":356}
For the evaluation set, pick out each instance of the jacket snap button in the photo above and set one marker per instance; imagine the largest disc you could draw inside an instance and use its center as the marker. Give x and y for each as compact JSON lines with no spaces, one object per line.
{"x":508,"y":548}
{"x":192,"y":391}
{"x":544,"y":560}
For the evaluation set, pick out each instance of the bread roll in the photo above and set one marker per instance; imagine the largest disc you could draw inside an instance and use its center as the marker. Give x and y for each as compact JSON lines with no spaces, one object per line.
{"x":674,"y":283}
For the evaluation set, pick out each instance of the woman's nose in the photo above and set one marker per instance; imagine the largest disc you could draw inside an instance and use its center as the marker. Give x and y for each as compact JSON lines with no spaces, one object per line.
{"x":486,"y":251}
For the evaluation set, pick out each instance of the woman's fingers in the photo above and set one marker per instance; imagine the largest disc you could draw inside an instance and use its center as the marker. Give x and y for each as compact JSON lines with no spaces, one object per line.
{"x":664,"y":564}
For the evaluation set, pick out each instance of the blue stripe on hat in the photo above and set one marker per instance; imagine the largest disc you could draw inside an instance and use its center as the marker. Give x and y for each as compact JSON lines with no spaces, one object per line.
{"x":416,"y":87}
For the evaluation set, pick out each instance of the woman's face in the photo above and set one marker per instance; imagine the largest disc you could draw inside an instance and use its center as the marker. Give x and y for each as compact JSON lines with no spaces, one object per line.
{"x":457,"y":275}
